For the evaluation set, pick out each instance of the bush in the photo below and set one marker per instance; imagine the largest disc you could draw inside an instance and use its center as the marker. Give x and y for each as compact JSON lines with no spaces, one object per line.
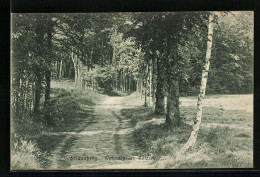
{"x":144,"y":136}
{"x":158,"y":140}
{"x":217,"y":134}
{"x":60,"y":110}
{"x":165,"y":146}
{"x":220,"y":139}
{"x":24,"y":154}
{"x":30,"y":124}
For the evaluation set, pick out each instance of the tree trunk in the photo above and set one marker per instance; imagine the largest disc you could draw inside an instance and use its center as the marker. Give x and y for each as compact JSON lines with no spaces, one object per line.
{"x":91,"y":57}
{"x":48,"y":71}
{"x":38,"y":77}
{"x":137,"y":85}
{"x":150,"y":85}
{"x":129,"y":83}
{"x":173,"y":110}
{"x":79,"y":73}
{"x":25,"y":96}
{"x":141,"y":87}
{"x":153,"y":82}
{"x":60,"y":70}
{"x":123,"y":87}
{"x":145,"y":98}
{"x":120,"y":86}
{"x":159,"y":105}
{"x":122,"y":80}
{"x":75,"y":63}
{"x":47,"y":87}
{"x":33,"y":95}
{"x":125,"y":83}
{"x":22,"y":95}
{"x":193,"y":137}
{"x":116,"y":79}
{"x":17,"y":85}
{"x":29,"y":96}
{"x":146,"y":86}
{"x":87,"y":84}
{"x":56,"y":70}
{"x":83,"y":82}
{"x":114,"y":63}
{"x":37,"y":91}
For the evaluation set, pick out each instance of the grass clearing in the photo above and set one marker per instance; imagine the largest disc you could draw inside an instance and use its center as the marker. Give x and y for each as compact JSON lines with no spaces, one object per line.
{"x":225,"y":139}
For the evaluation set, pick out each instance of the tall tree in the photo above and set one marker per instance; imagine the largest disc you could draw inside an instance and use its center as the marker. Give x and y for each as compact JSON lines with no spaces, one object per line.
{"x":193,"y":137}
{"x":49,"y":32}
{"x":173,"y":110}
{"x":40,"y":31}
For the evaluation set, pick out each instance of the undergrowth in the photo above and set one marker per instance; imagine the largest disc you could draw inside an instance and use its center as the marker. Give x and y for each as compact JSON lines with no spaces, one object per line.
{"x":158,"y":141}
{"x":138,"y":114}
{"x":24,"y":154}
{"x":216,"y":147}
{"x":28,"y":132}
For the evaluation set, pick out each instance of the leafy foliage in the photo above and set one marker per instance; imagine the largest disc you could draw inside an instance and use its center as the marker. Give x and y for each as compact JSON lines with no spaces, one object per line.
{"x":24,"y":154}
{"x":121,"y":53}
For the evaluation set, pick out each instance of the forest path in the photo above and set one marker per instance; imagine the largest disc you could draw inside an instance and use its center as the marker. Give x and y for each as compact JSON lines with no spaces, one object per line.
{"x":102,"y":141}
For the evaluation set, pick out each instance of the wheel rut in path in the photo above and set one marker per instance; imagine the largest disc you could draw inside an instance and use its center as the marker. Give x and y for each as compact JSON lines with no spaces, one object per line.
{"x":101,"y":144}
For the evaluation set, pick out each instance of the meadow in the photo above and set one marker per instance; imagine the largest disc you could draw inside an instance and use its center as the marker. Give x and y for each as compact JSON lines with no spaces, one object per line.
{"x":225,"y":139}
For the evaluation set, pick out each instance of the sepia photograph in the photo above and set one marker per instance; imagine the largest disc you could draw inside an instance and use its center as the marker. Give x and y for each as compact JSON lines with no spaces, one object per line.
{"x":131,"y":90}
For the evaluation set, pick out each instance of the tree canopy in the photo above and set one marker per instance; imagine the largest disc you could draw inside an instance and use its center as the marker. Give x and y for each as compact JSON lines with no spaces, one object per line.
{"x":156,"y":54}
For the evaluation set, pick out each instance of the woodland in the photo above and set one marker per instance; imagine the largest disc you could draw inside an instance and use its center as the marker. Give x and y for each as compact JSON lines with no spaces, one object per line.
{"x":159,"y":57}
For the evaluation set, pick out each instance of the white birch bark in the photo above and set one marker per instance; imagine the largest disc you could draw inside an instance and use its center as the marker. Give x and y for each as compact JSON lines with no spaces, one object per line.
{"x":33,"y":95}
{"x":146,"y":86}
{"x":141,"y":87}
{"x":79,"y":73}
{"x":193,"y":137}
{"x":74,"y":60}
{"x":150,"y":85}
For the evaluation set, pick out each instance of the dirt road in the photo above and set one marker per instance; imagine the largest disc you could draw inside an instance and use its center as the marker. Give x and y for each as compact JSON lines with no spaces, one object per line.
{"x":102,"y":141}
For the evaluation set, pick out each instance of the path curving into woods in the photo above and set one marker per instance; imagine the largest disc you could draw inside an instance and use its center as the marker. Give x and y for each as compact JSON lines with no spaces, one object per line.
{"x":103,"y":141}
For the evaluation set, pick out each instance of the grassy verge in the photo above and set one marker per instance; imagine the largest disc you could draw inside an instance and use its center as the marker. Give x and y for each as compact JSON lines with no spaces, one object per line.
{"x":225,"y":139}
{"x":33,"y":140}
{"x":138,"y":114}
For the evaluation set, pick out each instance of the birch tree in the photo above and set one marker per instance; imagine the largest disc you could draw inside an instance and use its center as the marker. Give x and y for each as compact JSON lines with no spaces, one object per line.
{"x":193,"y":137}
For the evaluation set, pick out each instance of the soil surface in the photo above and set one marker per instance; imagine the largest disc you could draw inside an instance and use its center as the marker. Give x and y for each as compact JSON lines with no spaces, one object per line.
{"x":102,"y":141}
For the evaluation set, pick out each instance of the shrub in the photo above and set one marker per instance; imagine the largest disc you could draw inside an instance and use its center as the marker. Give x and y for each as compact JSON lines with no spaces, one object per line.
{"x":30,"y":124}
{"x":220,"y":139}
{"x":24,"y":154}
{"x":53,"y":109}
{"x":164,"y":146}
{"x":60,"y":110}
{"x":217,"y":134}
